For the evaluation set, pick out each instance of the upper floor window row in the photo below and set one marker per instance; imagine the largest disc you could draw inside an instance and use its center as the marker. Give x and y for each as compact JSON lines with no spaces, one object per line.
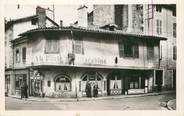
{"x":52,"y":46}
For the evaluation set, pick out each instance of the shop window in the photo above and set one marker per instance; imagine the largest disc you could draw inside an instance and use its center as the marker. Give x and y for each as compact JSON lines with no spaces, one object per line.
{"x":52,"y":46}
{"x":174,"y":29}
{"x":17,"y":56}
{"x":150,"y":51}
{"x":78,"y":46}
{"x":134,"y":83}
{"x":115,"y":83}
{"x":159,"y":26}
{"x":62,"y":83}
{"x":128,"y":50}
{"x":24,"y":55}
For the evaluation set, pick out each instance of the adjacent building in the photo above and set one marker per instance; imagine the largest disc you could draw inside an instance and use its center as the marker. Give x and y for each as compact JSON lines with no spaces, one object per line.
{"x":99,"y":48}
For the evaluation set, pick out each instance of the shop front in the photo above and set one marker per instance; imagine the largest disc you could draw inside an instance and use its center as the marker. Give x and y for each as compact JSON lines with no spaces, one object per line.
{"x":129,"y":82}
{"x":91,"y":79}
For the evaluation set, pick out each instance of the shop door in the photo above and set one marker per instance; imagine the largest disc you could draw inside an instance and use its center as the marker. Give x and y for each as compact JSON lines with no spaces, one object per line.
{"x":159,"y":79}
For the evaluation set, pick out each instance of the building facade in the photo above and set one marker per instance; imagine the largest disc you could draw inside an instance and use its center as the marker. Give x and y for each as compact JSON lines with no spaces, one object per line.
{"x":12,"y":30}
{"x":60,"y":61}
{"x":157,"y":20}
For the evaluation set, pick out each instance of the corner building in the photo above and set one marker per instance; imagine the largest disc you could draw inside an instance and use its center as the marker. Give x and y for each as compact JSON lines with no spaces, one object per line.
{"x":60,"y":61}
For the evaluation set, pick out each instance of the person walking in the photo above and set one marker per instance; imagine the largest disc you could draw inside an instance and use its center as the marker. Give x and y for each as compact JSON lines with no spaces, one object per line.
{"x":95,"y":90}
{"x":25,"y":91}
{"x":88,"y":89}
{"x":22,"y":90}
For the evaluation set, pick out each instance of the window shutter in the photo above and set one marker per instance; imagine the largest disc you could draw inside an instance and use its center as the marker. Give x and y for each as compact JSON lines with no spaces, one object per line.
{"x":80,"y":89}
{"x":157,"y":26}
{"x":23,"y":54}
{"x":136,"y":51}
{"x":121,"y":50}
{"x":48,"y":46}
{"x":160,"y":27}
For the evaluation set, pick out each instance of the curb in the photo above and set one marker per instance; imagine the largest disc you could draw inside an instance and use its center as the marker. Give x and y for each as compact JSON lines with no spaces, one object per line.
{"x":90,"y":99}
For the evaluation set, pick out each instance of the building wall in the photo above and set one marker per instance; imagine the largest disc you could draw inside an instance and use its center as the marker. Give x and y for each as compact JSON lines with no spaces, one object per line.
{"x":9,"y":48}
{"x":98,"y":51}
{"x":167,"y":61}
{"x":105,"y":11}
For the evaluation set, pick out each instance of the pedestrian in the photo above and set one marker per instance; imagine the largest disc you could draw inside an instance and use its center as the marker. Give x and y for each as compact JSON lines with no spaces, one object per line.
{"x":95,"y":90}
{"x":22,"y":90}
{"x":88,"y":89}
{"x":25,"y":91}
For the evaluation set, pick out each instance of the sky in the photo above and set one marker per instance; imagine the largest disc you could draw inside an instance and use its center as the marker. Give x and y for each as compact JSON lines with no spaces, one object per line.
{"x":67,"y":13}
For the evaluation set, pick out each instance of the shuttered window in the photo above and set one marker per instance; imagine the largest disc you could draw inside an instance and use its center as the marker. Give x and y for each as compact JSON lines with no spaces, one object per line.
{"x":150,"y":51}
{"x":128,"y":50}
{"x":174,"y":29}
{"x":17,"y":56}
{"x":78,"y":46}
{"x":121,"y":50}
{"x":159,"y":27}
{"x":24,"y":55}
{"x":52,"y":46}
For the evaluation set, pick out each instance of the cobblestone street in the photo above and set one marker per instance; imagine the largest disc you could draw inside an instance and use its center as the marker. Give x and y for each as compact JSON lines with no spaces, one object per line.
{"x":137,"y":103}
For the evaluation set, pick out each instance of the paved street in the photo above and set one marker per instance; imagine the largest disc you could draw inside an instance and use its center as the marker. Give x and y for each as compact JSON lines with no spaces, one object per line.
{"x":137,"y":103}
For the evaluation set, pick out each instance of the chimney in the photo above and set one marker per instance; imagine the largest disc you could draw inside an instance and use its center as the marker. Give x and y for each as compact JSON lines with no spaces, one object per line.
{"x":41,"y":17}
{"x":82,"y":16}
{"x":61,"y":23}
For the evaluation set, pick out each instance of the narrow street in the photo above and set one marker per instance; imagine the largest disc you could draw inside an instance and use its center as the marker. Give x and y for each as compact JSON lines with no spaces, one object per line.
{"x":137,"y":103}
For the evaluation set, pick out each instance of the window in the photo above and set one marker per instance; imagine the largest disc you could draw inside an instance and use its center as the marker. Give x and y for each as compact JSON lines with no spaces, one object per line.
{"x":78,"y":46}
{"x":149,"y":12}
{"x":150,"y":51}
{"x":23,"y":55}
{"x":17,"y":56}
{"x":174,"y":53}
{"x":174,"y":29}
{"x":128,"y":50}
{"x":159,"y":27}
{"x":125,"y":16}
{"x":52,"y":46}
{"x":174,"y":12}
{"x":134,"y":83}
{"x":158,"y":8}
{"x":62,"y":83}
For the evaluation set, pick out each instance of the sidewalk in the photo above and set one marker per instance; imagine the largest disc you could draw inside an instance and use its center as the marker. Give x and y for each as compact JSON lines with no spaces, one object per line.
{"x":39,"y":99}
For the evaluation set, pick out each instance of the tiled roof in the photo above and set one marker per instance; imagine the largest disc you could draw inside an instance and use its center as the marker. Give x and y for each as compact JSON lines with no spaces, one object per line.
{"x":90,"y":30}
{"x":24,"y":19}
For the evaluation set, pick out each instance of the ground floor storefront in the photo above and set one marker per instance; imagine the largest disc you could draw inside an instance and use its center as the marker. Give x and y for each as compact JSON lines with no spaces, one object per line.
{"x":71,"y":82}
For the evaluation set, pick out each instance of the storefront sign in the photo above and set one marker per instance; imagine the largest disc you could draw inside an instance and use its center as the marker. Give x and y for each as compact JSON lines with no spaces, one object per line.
{"x":98,"y":61}
{"x":48,"y":59}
